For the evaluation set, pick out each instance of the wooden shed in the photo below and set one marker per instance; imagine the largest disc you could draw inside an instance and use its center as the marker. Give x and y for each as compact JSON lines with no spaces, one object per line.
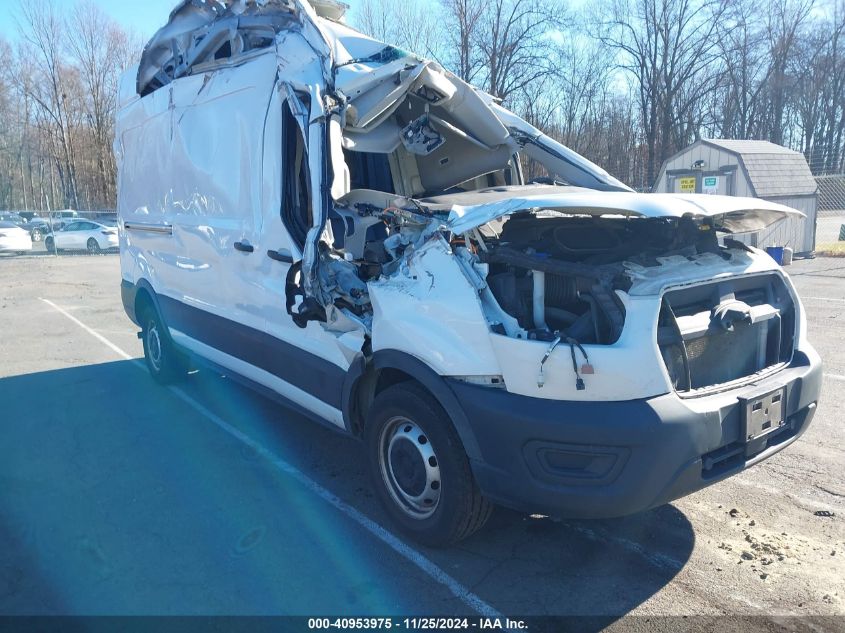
{"x":757,"y":169}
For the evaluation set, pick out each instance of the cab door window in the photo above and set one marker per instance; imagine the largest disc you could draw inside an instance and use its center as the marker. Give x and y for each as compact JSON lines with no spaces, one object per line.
{"x":297,"y":213}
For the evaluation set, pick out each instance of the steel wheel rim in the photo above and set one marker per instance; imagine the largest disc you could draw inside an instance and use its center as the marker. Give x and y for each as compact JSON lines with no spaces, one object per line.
{"x":409,"y":468}
{"x":154,"y":346}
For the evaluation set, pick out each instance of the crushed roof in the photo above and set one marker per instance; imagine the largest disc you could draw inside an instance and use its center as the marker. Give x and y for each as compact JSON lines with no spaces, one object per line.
{"x":773,"y":170}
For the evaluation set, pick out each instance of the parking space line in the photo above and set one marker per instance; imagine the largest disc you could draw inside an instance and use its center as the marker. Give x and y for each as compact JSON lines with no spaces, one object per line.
{"x":96,"y":335}
{"x":835,"y":377}
{"x":413,"y":556}
{"x":600,"y":535}
{"x":824,"y":299}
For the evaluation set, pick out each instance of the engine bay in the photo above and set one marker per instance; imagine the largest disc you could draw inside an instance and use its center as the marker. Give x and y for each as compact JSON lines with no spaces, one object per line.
{"x":546,"y":274}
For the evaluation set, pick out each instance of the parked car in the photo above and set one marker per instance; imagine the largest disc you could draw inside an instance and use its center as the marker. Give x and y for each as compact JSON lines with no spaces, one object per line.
{"x":14,"y":239}
{"x":107,"y":220}
{"x":15,"y":218}
{"x":83,"y":235}
{"x":38,"y":228}
{"x":64,"y":216}
{"x":345,"y":226}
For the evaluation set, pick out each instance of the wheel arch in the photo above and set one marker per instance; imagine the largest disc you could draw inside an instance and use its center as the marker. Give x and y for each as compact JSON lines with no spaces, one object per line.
{"x":145,"y":296}
{"x":369,"y":377}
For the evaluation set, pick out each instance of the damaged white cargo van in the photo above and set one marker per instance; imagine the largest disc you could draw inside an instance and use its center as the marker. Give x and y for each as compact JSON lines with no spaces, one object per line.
{"x":346,"y":226}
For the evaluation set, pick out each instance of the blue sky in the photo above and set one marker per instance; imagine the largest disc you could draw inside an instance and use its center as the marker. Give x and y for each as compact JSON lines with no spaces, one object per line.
{"x":144,"y":16}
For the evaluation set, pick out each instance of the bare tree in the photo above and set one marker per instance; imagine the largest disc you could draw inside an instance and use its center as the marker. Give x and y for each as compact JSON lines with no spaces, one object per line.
{"x":515,"y":43}
{"x":100,"y":50}
{"x":410,"y":25}
{"x":43,"y":33}
{"x":819,"y":95}
{"x":669,"y":49}
{"x":639,"y":80}
{"x":737,"y":103}
{"x":584,"y":78}
{"x":785,"y":20}
{"x":464,"y":16}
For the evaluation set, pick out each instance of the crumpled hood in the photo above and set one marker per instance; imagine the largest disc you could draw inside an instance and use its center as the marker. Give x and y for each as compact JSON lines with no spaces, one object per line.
{"x":732,"y":214}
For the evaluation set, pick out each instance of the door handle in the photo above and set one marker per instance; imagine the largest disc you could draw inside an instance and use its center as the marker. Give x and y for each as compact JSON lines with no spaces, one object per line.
{"x":167,"y":229}
{"x":244,"y":247}
{"x":280,"y":256}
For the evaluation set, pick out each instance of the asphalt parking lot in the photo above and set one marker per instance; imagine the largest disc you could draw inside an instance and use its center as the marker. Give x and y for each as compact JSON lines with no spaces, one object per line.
{"x":118,"y":496}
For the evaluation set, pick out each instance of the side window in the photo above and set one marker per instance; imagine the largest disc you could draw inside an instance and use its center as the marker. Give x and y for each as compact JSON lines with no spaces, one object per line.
{"x":369,"y":171}
{"x":73,"y":226}
{"x":296,"y":195}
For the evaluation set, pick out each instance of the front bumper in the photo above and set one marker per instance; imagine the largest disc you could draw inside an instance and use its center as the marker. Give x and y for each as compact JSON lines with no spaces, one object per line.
{"x":609,"y":459}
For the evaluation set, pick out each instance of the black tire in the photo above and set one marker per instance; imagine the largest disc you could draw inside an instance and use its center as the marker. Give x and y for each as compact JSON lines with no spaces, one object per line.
{"x":50,"y":245}
{"x":406,"y":427}
{"x":93,"y":246}
{"x":164,"y":362}
{"x":36,"y":235}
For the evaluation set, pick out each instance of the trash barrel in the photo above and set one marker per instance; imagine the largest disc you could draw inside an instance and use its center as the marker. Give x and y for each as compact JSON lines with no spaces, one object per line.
{"x":776,"y":253}
{"x":787,"y":255}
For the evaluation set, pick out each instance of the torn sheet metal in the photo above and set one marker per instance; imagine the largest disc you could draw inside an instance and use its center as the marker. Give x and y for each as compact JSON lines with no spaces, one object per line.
{"x":570,"y":166}
{"x":676,"y":270}
{"x":415,"y":303}
{"x":733,"y":214}
{"x":201,"y":34}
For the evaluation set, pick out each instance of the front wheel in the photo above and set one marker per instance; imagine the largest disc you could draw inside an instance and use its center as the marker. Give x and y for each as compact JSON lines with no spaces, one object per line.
{"x":36,"y":235}
{"x":420,"y":469}
{"x":165,"y":363}
{"x":50,"y":245}
{"x":93,"y":246}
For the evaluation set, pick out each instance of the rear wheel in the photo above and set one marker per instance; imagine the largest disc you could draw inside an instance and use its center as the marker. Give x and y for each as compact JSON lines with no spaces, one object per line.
{"x":420,"y":469}
{"x":165,"y":363}
{"x":93,"y":246}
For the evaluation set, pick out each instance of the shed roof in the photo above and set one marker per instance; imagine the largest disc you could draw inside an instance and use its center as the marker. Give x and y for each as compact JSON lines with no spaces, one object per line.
{"x":773,"y":170}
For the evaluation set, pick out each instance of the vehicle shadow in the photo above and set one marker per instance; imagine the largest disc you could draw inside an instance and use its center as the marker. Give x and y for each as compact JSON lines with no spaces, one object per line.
{"x":594,"y":571}
{"x":25,"y":587}
{"x":63,"y":463}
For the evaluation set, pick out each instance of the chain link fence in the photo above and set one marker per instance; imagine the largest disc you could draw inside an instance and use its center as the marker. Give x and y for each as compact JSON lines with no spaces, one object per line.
{"x":830,"y":221}
{"x":831,"y":195}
